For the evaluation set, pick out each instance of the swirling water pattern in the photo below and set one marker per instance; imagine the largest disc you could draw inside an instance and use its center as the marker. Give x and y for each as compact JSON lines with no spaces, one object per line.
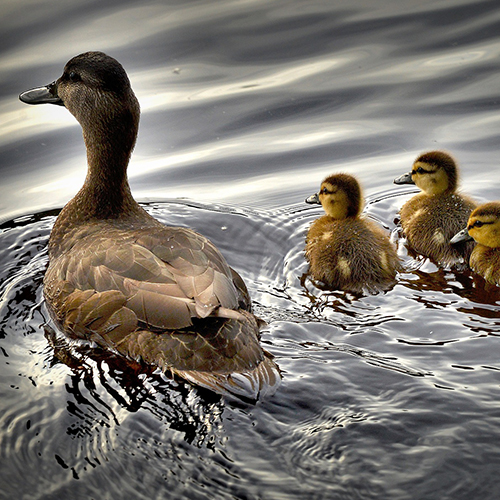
{"x":246,"y":107}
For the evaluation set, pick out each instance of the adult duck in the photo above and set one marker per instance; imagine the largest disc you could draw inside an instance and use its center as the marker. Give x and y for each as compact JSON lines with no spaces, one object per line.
{"x":345,"y":250}
{"x":118,"y":277}
{"x":431,"y":218}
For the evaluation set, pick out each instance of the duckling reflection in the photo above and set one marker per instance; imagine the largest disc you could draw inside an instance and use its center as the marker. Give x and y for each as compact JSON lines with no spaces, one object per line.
{"x":345,"y":250}
{"x":120,"y":278}
{"x":432,"y":217}
{"x":484,"y":227}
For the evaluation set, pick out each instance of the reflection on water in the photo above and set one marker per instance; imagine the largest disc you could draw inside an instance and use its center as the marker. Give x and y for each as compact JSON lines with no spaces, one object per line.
{"x":247,"y":106}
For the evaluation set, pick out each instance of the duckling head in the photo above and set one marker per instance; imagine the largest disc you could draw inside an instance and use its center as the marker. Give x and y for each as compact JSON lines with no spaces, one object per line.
{"x":434,"y":172}
{"x":483,"y":226}
{"x":340,"y":196}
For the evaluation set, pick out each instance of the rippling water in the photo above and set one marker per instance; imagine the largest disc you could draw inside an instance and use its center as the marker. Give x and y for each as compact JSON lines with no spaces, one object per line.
{"x":247,"y":106}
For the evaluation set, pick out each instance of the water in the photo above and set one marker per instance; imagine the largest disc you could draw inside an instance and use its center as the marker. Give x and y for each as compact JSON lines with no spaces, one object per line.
{"x":247,"y":106}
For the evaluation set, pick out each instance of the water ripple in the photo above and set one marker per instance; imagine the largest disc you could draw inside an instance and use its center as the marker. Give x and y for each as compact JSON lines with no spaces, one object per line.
{"x":247,"y":106}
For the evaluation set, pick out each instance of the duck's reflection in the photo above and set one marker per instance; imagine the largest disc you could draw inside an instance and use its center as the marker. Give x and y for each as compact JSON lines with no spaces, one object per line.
{"x":103,"y":387}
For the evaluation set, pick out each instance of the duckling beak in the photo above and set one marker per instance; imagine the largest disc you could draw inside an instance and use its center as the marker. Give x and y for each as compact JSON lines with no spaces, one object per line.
{"x":462,"y":235}
{"x":42,"y":95}
{"x":404,"y":179}
{"x":313,"y":199}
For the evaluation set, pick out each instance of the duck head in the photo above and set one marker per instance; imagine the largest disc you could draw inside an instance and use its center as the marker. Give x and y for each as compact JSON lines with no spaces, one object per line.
{"x":434,"y":172}
{"x":483,"y":226}
{"x":95,"y":89}
{"x":339,"y":195}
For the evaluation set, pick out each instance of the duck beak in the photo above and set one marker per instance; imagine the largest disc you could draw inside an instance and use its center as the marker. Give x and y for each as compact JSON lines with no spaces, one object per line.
{"x":313,"y":199}
{"x":462,"y":235}
{"x":42,"y":95}
{"x":404,"y":179}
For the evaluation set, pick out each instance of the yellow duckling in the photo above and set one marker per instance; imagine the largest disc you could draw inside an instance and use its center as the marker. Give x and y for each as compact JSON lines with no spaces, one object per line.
{"x":484,"y":227}
{"x":432,"y":217}
{"x":345,"y":250}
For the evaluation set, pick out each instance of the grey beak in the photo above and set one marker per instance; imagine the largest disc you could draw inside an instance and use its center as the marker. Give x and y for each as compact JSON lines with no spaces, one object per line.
{"x":42,"y":95}
{"x":313,"y":199}
{"x":404,"y":179}
{"x":462,"y":235}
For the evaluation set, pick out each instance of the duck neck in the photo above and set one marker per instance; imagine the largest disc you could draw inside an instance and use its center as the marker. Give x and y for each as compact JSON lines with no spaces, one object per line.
{"x":106,"y":192}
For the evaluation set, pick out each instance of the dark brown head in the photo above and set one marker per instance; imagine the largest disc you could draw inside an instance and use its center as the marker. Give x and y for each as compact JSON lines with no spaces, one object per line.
{"x":340,"y":195}
{"x":95,"y":88}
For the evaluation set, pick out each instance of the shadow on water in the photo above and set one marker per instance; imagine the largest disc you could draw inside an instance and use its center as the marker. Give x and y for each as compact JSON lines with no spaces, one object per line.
{"x":131,"y":386}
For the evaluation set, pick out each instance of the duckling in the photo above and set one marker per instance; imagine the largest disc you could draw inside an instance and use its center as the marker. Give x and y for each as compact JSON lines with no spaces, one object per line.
{"x":432,"y":217}
{"x":345,"y":250}
{"x":120,"y":278}
{"x":484,"y":227}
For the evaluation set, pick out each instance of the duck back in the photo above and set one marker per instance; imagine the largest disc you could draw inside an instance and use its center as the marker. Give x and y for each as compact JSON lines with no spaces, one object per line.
{"x":160,"y":295}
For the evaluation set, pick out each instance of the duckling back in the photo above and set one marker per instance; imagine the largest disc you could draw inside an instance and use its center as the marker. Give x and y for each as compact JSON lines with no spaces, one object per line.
{"x":429,"y":222}
{"x":484,"y":227}
{"x":351,"y":254}
{"x":345,"y":251}
{"x":486,"y":262}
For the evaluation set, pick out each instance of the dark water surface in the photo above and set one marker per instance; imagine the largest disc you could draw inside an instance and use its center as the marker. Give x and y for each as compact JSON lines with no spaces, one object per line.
{"x":247,"y":106}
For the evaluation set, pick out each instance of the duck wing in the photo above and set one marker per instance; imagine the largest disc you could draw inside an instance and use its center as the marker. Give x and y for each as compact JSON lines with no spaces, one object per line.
{"x":168,"y":276}
{"x":166,"y":297}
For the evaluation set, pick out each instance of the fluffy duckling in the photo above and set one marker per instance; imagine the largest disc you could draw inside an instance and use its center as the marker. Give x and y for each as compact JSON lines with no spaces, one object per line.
{"x":432,"y":217}
{"x":118,"y":277}
{"x":484,"y":227}
{"x":345,"y":250}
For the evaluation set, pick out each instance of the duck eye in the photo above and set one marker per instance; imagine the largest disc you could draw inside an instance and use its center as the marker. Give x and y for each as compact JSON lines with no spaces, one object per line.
{"x":74,"y":77}
{"x":419,"y":170}
{"x":478,"y":223}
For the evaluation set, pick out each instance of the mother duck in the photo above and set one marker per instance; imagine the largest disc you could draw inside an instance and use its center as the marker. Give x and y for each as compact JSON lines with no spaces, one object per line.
{"x":118,"y":277}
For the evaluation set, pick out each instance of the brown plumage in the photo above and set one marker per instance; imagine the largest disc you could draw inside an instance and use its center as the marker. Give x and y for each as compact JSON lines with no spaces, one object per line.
{"x":345,"y":250}
{"x":431,"y":218}
{"x":118,"y":277}
{"x":484,"y":227}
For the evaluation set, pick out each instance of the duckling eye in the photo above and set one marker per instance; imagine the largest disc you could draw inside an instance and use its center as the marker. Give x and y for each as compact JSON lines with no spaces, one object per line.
{"x":478,"y":223}
{"x":419,"y":170}
{"x":74,"y":77}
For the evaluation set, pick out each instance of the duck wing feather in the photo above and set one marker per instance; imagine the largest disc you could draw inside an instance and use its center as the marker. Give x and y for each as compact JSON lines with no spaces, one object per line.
{"x":168,"y":276}
{"x":167,"y":298}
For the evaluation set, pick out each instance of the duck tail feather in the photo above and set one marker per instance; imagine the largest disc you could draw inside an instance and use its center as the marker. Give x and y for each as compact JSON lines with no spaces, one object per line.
{"x":252,"y":385}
